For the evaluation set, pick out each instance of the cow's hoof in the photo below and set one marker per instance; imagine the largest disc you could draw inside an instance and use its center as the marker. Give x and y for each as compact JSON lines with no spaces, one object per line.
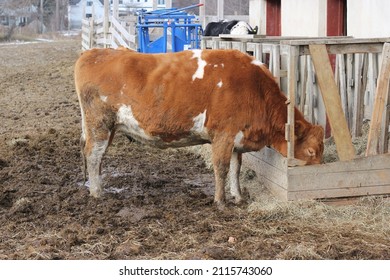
{"x":239,"y":200}
{"x":220,"y":205}
{"x":95,"y":194}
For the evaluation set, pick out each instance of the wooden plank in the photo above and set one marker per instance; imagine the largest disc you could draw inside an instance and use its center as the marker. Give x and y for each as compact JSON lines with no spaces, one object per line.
{"x":343,"y":84}
{"x":258,"y":52}
{"x":361,"y":67}
{"x":346,"y":49}
{"x":372,"y":78}
{"x":336,"y":40}
{"x":380,"y":99}
{"x":291,"y":92}
{"x":242,"y":47}
{"x":310,"y":90}
{"x":215,"y":44}
{"x":85,"y":21}
{"x":118,"y":38}
{"x":332,"y":102}
{"x":358,"y":164}
{"x":262,"y":169}
{"x":275,"y":56}
{"x":270,"y":168}
{"x":339,"y":193}
{"x":84,"y":46}
{"x":85,"y":38}
{"x":384,"y":136}
{"x":337,"y":180}
{"x":350,"y":85}
{"x":271,"y":157}
{"x":303,"y":83}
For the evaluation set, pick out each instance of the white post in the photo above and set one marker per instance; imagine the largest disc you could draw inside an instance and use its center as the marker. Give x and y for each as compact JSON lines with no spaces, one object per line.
{"x":106,"y":22}
{"x":220,"y":7}
{"x":202,"y":13}
{"x":258,"y":15}
{"x":41,"y":16}
{"x":154,"y":6}
{"x":84,"y":9}
{"x":168,"y":4}
{"x":115,"y":9}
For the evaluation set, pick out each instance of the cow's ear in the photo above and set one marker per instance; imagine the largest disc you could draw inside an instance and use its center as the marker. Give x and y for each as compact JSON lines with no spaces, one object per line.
{"x":310,"y":152}
{"x":299,"y":129}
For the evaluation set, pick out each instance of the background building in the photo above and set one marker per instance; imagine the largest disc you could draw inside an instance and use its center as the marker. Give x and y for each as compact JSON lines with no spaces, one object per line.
{"x":363,"y":18}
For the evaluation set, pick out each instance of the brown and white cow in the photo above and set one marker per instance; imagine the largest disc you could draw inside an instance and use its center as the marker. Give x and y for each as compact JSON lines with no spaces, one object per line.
{"x":222,"y":97}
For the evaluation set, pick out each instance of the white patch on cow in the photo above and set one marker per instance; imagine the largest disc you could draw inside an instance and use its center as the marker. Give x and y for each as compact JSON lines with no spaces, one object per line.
{"x":220,"y":84}
{"x":234,"y":177}
{"x":257,"y":62}
{"x":199,"y":121}
{"x":129,"y":124}
{"x":199,"y":73}
{"x":238,"y":139}
{"x":199,"y":128}
{"x":241,"y":28}
{"x":103,"y":98}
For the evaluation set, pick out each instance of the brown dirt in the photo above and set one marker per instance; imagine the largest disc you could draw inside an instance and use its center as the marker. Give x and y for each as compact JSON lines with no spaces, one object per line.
{"x":157,"y":204}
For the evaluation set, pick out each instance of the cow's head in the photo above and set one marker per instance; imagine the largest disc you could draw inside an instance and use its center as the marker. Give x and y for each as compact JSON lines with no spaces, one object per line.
{"x":309,"y":142}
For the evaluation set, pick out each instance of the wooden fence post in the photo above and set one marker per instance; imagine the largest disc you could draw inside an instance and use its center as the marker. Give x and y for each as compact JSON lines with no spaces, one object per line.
{"x":381,"y":96}
{"x":361,"y":68}
{"x":291,"y":90}
{"x":331,"y":97}
{"x":106,"y":22}
{"x":91,"y":33}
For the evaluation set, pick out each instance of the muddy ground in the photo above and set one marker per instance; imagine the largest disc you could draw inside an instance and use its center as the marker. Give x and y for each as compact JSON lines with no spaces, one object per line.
{"x":157,"y":203}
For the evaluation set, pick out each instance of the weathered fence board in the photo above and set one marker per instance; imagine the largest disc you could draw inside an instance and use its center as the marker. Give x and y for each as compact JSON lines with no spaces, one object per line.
{"x":332,"y":102}
{"x":381,"y":97}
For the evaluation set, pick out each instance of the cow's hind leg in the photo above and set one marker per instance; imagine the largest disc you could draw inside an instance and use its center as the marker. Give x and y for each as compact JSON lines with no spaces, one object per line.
{"x":221,"y":154}
{"x":234,"y":175}
{"x":94,"y":150}
{"x":98,"y":122}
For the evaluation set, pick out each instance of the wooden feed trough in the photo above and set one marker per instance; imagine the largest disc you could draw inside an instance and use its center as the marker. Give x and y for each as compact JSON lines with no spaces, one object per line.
{"x":351,"y":176}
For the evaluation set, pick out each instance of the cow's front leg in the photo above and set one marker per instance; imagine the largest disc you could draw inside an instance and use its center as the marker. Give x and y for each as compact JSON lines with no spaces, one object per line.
{"x":221,"y":154}
{"x":234,"y":176}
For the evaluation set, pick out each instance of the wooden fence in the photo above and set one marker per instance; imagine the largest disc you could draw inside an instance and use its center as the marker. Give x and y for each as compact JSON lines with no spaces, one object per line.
{"x":120,"y":32}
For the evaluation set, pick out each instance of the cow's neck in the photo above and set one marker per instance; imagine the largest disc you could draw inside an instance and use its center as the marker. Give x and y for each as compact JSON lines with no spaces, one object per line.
{"x":278,"y":135}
